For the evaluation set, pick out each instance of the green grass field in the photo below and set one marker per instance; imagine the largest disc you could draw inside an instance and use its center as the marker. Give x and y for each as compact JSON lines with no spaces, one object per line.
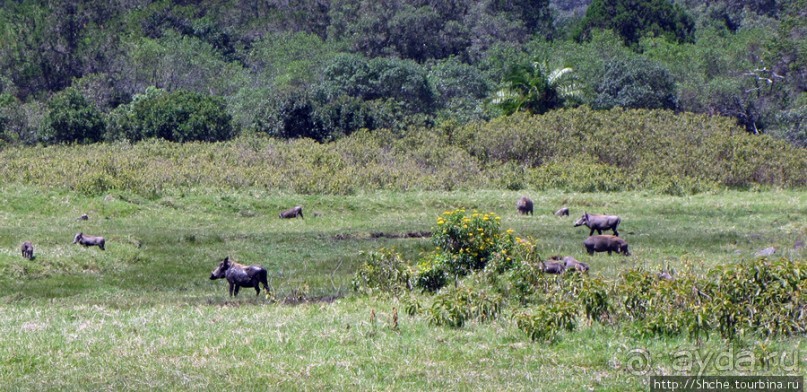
{"x":143,"y":314}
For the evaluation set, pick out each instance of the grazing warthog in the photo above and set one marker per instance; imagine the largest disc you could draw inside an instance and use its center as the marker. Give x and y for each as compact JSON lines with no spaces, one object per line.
{"x":664,"y":275}
{"x":765,"y":252}
{"x":599,"y":223}
{"x":606,"y":243}
{"x":239,"y":275}
{"x":551,"y":267}
{"x":572,"y":264}
{"x":28,"y":250}
{"x":88,"y":240}
{"x":83,"y":217}
{"x":292,"y":213}
{"x":524,"y":205}
{"x":562,"y":212}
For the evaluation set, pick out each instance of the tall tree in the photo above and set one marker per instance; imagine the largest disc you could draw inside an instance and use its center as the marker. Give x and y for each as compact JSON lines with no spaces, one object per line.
{"x":634,"y":19}
{"x":636,"y":83}
{"x":72,"y":119}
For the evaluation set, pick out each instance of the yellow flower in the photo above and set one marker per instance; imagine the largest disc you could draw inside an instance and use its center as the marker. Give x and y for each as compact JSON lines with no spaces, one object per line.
{"x":510,"y":231}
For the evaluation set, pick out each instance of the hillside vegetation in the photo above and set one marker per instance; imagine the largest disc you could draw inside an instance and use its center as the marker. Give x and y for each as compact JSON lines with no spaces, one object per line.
{"x":573,"y":150}
{"x":92,"y":70}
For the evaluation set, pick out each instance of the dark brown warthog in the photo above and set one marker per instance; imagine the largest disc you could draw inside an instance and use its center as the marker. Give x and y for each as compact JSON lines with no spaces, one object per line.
{"x":606,"y":243}
{"x":524,"y":205}
{"x":572,"y":264}
{"x":562,"y":212}
{"x":551,"y":267}
{"x":239,"y":275}
{"x":28,"y":250}
{"x":599,"y":223}
{"x":88,"y":240}
{"x":292,"y":213}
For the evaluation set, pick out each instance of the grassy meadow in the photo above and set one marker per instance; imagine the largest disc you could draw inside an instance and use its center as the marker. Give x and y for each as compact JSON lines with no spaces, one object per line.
{"x":143,"y":314}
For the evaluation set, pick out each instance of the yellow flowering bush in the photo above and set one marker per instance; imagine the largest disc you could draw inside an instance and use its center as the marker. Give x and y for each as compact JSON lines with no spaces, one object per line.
{"x":464,"y":242}
{"x":470,"y":239}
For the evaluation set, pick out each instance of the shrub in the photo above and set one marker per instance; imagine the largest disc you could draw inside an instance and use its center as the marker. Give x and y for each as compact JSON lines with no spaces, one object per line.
{"x":179,"y":116}
{"x":72,"y":119}
{"x":385,"y":271}
{"x":431,"y":274}
{"x":546,"y":321}
{"x":764,"y":296}
{"x":760,"y":296}
{"x":594,"y":296}
{"x":465,"y":243}
{"x":460,"y":304}
{"x":468,"y":241}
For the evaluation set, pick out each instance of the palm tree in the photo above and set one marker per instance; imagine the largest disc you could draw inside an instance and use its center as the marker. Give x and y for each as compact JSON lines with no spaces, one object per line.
{"x":530,"y":87}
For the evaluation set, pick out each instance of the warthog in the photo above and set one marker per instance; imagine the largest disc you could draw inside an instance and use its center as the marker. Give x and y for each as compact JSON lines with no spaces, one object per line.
{"x":606,"y":243}
{"x":83,"y":217}
{"x":765,"y":252}
{"x":599,"y":223}
{"x":28,"y":250}
{"x":551,"y":267}
{"x":664,"y":275}
{"x":239,"y":275}
{"x":572,"y":264}
{"x":524,"y":205}
{"x":562,"y":212}
{"x":88,"y":240}
{"x":292,"y":213}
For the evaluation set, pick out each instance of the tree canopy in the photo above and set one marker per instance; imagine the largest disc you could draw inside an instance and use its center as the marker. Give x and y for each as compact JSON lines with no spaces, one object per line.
{"x":88,"y":70}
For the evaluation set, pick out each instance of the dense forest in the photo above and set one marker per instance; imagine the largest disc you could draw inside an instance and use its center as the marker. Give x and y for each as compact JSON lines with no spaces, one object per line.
{"x":97,"y":70}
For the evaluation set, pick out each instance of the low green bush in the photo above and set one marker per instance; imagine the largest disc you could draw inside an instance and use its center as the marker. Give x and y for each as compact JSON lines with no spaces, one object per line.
{"x":384,"y":271}
{"x":458,"y":305}
{"x":546,"y":321}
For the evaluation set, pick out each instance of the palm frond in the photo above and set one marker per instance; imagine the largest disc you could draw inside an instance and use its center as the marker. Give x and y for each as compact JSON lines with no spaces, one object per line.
{"x":557,"y":74}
